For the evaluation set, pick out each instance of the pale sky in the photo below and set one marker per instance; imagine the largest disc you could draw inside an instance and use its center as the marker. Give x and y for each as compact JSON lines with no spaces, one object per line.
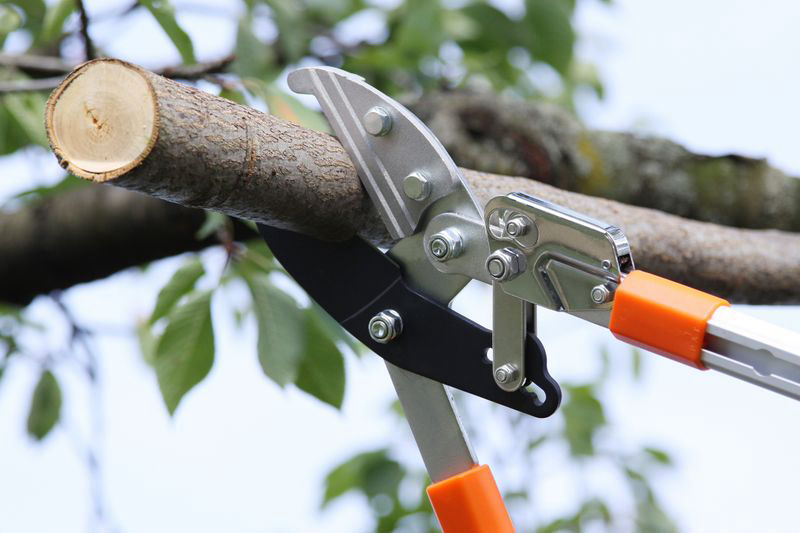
{"x":244,"y":455}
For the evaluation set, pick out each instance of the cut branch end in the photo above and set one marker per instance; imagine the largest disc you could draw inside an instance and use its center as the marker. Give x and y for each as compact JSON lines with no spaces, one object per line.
{"x":102,"y":120}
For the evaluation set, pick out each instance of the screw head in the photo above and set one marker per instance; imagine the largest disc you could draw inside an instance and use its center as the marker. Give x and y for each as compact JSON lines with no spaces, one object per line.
{"x":416,"y":186}
{"x":506,"y":264}
{"x":377,"y":121}
{"x":517,"y":226}
{"x":506,"y":373}
{"x":385,"y":326}
{"x":600,"y":294}
{"x":446,"y":244}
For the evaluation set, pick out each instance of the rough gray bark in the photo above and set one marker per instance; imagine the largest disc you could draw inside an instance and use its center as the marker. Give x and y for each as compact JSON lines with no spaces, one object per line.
{"x":248,"y":164}
{"x":545,"y":143}
{"x":88,"y":234}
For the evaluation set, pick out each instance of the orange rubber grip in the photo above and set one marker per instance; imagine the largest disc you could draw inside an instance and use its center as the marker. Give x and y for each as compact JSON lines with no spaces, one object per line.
{"x":470,"y":502}
{"x":663,"y":316}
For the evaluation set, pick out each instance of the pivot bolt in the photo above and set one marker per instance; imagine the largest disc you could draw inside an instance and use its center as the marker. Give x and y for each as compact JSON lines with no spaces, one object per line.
{"x":507,"y":373}
{"x":377,"y":121}
{"x":385,"y":326}
{"x":416,"y":186}
{"x":600,"y":294}
{"x":518,"y":226}
{"x":446,"y":244}
{"x":506,"y":264}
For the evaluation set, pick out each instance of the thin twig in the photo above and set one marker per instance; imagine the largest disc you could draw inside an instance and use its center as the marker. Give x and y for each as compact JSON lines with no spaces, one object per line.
{"x":88,"y":46}
{"x":35,"y":64}
{"x":93,"y":449}
{"x":198,"y":70}
{"x":194,"y":72}
{"x":27,"y":85}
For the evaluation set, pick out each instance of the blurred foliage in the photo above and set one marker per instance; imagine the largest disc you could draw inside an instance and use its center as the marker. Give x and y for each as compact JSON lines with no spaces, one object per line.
{"x":45,"y":406}
{"x":402,"y":48}
{"x":395,"y":491}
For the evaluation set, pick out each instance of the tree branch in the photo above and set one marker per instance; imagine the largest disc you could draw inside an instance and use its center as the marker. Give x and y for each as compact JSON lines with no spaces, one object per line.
{"x":88,"y":45}
{"x":35,"y":65}
{"x":199,"y":150}
{"x":38,"y":65}
{"x":90,"y":233}
{"x":545,"y":143}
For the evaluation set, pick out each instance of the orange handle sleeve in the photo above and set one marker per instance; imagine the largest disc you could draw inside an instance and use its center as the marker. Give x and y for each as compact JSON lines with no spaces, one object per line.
{"x":663,"y":316}
{"x":470,"y":502}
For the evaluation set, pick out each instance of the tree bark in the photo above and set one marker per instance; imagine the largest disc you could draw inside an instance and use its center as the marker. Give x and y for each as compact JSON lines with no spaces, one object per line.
{"x":544,"y":143}
{"x":205,"y":151}
{"x":90,"y":233}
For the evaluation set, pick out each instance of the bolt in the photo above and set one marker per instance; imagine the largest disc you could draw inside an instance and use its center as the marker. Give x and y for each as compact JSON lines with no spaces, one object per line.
{"x":385,"y":326}
{"x":506,"y":373}
{"x":446,"y":244}
{"x":416,"y":186}
{"x":377,"y":121}
{"x":600,"y":294}
{"x":606,"y":264}
{"x":517,"y":226}
{"x":506,"y":264}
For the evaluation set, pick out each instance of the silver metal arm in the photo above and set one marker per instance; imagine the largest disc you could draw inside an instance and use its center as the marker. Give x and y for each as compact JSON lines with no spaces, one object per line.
{"x":754,"y":351}
{"x":414,"y":185}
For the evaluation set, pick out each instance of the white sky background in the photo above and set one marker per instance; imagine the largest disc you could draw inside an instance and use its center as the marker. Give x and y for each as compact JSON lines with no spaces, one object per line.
{"x":243,"y":455}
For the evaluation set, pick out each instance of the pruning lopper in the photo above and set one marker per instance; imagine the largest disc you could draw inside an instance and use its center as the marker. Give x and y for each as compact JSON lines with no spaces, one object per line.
{"x":532,"y":252}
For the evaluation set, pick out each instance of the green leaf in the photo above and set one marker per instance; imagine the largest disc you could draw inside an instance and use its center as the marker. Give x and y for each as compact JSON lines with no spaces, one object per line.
{"x":293,"y":31}
{"x":164,"y":14}
{"x":254,"y":58}
{"x":9,"y":21}
{"x":285,"y":106}
{"x":181,"y":283}
{"x":45,"y":406}
{"x":660,"y":456}
{"x":69,"y":182}
{"x":214,"y":220}
{"x":34,"y":13}
{"x":636,"y":363}
{"x":321,"y":371}
{"x":336,"y":331}
{"x":233,"y":95}
{"x":583,"y":416}
{"x":419,"y":30}
{"x":185,"y":352}
{"x":651,"y":518}
{"x":52,"y":26}
{"x":25,"y":112}
{"x":147,"y":342}
{"x":281,"y":330}
{"x":549,"y":29}
{"x":371,"y":473}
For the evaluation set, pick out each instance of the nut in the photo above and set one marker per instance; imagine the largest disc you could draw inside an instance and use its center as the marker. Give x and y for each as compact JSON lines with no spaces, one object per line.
{"x":506,"y":264}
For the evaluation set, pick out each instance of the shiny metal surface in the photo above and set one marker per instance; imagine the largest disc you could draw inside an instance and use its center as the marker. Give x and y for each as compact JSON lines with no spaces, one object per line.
{"x":428,"y":405}
{"x":377,"y":121}
{"x":754,"y":351}
{"x":385,"y":326}
{"x":435,"y":424}
{"x":505,"y":264}
{"x":384,"y":161}
{"x":510,"y":319}
{"x":416,"y":186}
{"x":446,"y":244}
{"x":568,"y":255}
{"x":474,"y":244}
